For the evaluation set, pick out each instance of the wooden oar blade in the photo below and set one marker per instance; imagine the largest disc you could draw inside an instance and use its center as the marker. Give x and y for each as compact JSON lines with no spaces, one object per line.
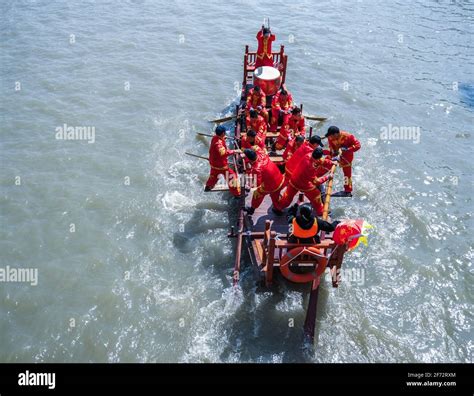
{"x":315,"y":118}
{"x":223,"y":119}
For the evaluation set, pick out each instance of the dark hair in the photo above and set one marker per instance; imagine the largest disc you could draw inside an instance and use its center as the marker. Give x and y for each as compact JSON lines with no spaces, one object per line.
{"x":317,"y":153}
{"x":305,"y":211}
{"x":315,"y":139}
{"x":250,"y":154}
{"x":257,"y":88}
{"x":220,"y":130}
{"x":299,"y":139}
{"x":332,"y":130}
{"x":296,"y":111}
{"x":251,"y":133}
{"x":253,"y":113}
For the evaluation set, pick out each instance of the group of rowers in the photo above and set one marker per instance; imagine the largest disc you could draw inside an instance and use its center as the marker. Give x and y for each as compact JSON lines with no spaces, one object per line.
{"x":307,"y":163}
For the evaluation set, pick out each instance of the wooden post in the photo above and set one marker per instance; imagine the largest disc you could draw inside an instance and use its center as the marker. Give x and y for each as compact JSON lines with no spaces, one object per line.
{"x":266,"y":239}
{"x":310,"y":132}
{"x":270,"y":260}
{"x":310,"y":321}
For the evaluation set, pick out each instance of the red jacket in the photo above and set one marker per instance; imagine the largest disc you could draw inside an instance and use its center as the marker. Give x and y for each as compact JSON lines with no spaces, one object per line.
{"x":308,"y":173}
{"x":258,"y":124}
{"x":297,"y":126}
{"x":218,"y":153}
{"x":269,"y":177}
{"x":290,"y":149}
{"x":255,"y":99}
{"x":264,"y":45}
{"x":244,"y":142}
{"x":346,"y":140}
{"x":280,"y":102}
{"x":302,"y":152}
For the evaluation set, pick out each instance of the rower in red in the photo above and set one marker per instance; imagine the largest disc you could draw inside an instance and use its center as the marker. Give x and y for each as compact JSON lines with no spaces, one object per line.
{"x":307,"y":177}
{"x":218,"y":153}
{"x":282,"y":103}
{"x":295,"y":127}
{"x":348,"y":144}
{"x":265,"y":39}
{"x":257,"y":123}
{"x":251,"y":140}
{"x":292,"y":146}
{"x":270,"y":181}
{"x":256,"y":99}
{"x":302,"y":152}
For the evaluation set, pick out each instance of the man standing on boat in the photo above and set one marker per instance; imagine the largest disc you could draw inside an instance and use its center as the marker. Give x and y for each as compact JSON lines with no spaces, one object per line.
{"x":265,"y":39}
{"x":305,"y":150}
{"x":256,"y":99}
{"x":269,"y":181}
{"x":218,"y":153}
{"x":307,"y":178}
{"x":348,"y":144}
{"x":295,"y":127}
{"x":282,"y":103}
{"x":292,"y":146}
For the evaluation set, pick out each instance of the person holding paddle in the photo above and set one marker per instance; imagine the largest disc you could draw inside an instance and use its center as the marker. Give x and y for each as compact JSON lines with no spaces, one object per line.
{"x":218,"y":153}
{"x":256,"y":99}
{"x":348,"y":144}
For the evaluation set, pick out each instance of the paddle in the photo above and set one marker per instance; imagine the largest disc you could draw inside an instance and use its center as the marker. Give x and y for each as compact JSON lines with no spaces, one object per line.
{"x":197,"y":156}
{"x":208,"y":135}
{"x":315,"y":118}
{"x":224,"y":119}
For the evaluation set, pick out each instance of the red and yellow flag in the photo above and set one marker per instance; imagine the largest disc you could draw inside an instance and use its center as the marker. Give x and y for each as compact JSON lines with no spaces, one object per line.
{"x":352,"y":232}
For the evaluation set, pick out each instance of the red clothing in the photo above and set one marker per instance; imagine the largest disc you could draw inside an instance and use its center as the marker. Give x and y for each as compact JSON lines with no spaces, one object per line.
{"x":297,"y":125}
{"x":305,"y":150}
{"x":264,"y":50}
{"x":306,"y":178}
{"x":350,"y":142}
{"x":258,"y":125}
{"x":218,"y":153}
{"x":283,"y":102}
{"x":255,"y":99}
{"x":314,"y":197}
{"x":269,"y":181}
{"x":280,"y":102}
{"x":283,"y":137}
{"x":307,"y":175}
{"x":245,"y":143}
{"x":290,"y":150}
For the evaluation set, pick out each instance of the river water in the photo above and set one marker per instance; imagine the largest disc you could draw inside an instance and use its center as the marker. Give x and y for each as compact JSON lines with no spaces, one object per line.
{"x":133,"y":260}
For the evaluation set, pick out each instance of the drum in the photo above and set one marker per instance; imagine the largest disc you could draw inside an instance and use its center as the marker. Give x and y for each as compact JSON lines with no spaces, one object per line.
{"x":268,"y":79}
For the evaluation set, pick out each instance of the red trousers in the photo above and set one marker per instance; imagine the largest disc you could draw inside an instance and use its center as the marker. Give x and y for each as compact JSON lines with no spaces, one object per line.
{"x":314,"y":197}
{"x":275,"y":116}
{"x":347,"y":170}
{"x":258,"y":196}
{"x":230,"y":176}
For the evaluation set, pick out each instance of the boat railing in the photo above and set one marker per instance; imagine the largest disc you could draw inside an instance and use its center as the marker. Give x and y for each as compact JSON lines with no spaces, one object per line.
{"x":274,"y":247}
{"x":280,"y":60}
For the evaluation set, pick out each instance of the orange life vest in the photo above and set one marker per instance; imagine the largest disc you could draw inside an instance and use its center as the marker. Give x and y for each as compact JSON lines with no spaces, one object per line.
{"x":299,"y":232}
